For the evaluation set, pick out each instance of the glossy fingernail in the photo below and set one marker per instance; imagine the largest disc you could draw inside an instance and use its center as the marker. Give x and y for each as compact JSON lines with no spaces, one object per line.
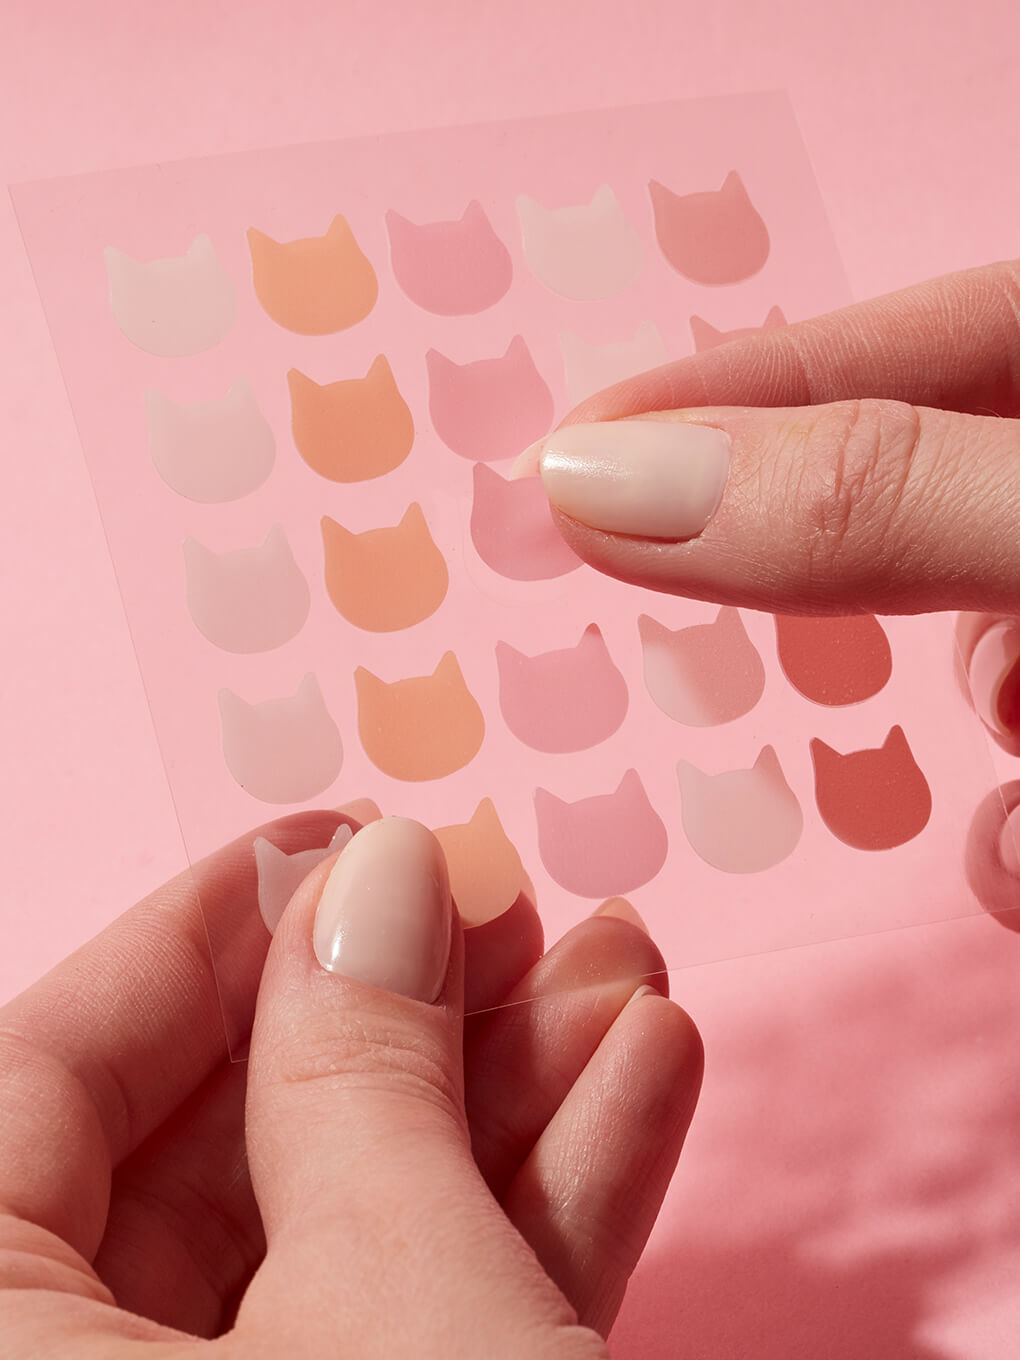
{"x":645,"y":478}
{"x":363,"y":810}
{"x":384,"y":916}
{"x":995,"y":679}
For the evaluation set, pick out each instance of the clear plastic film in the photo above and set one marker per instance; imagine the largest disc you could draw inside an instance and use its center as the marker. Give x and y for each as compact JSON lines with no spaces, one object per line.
{"x":301,"y":376}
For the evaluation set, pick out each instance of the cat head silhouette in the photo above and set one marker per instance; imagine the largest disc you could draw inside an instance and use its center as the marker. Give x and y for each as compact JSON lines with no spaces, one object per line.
{"x":584,"y":251}
{"x":486,"y":874}
{"x":703,"y":675}
{"x":173,"y":307}
{"x":707,"y":337}
{"x":283,"y":750}
{"x":741,"y":821}
{"x":316,"y":285}
{"x":873,"y":799}
{"x":248,"y":600}
{"x":354,"y":429}
{"x":491,"y":408}
{"x":602,"y":846}
{"x":423,"y":727}
{"x":565,"y":700}
{"x":713,"y":237}
{"x":386,"y":578}
{"x":450,"y":268}
{"x":211,"y":451}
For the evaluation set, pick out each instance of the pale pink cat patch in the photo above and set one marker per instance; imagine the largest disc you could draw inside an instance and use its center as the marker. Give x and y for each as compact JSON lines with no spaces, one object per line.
{"x":705,"y":674}
{"x":280,"y":875}
{"x":565,"y":700}
{"x":741,"y":821}
{"x":247,"y":600}
{"x":513,"y":531}
{"x":489,"y":409}
{"x":211,"y":451}
{"x":172,"y":307}
{"x":603,"y":846}
{"x":584,"y":251}
{"x":706,"y":336}
{"x":715,"y":236}
{"x":450,"y":268}
{"x":283,"y":750}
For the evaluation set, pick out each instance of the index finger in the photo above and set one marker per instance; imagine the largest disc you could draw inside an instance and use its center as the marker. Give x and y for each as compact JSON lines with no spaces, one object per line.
{"x":951,"y":343}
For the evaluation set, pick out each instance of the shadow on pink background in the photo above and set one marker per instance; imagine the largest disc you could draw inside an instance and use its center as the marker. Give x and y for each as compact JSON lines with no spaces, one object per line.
{"x":850,"y":1188}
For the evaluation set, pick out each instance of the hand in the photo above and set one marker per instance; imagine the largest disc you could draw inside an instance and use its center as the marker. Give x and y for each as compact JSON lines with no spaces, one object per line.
{"x":865,"y":461}
{"x":402,"y":1184}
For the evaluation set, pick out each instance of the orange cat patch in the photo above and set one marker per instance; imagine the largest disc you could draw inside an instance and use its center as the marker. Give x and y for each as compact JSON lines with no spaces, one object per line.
{"x":352,"y":430}
{"x":316,"y":285}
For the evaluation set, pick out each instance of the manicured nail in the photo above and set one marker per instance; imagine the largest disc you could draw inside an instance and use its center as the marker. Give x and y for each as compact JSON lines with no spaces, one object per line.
{"x":646,"y":478}
{"x":363,"y":810}
{"x":384,"y":916}
{"x":995,"y":679}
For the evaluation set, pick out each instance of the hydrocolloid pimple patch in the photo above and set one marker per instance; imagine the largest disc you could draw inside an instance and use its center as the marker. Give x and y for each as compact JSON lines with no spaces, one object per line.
{"x":584,"y":251}
{"x":565,"y":700}
{"x":715,"y":237}
{"x":283,"y":750}
{"x":703,"y":675}
{"x":387,"y":578}
{"x":422,"y":727}
{"x":513,"y":531}
{"x":741,"y":821}
{"x":602,"y":846}
{"x":247,"y":600}
{"x":352,"y":430}
{"x":211,"y":451}
{"x":317,"y":285}
{"x":872,"y":799}
{"x":588,"y":368}
{"x":489,"y":409}
{"x":280,"y":875}
{"x":834,"y":661}
{"x":486,"y":873}
{"x":172,"y":307}
{"x":453,"y":268}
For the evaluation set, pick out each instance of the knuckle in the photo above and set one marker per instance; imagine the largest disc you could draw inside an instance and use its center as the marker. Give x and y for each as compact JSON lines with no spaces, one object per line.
{"x":849,"y":483}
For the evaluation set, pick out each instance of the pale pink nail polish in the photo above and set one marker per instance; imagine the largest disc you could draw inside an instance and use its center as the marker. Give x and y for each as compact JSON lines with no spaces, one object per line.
{"x":993,"y":681}
{"x":644,"y":478}
{"x":384,"y":916}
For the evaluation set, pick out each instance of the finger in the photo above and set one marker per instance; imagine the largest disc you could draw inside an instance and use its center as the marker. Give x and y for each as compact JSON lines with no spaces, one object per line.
{"x":97,"y":1054}
{"x":628,"y":1112}
{"x":183,"y":1235}
{"x":857,"y":506}
{"x":522,"y":1060}
{"x":952,"y":343}
{"x":992,"y":856}
{"x":357,"y":1138}
{"x":499,"y":953}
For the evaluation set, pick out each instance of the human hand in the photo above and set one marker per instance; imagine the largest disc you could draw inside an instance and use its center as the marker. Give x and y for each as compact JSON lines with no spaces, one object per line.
{"x":865,"y":461}
{"x":403,"y":1183}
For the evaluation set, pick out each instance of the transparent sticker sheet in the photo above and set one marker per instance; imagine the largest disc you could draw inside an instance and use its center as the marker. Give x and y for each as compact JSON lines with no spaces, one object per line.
{"x":300,"y":378}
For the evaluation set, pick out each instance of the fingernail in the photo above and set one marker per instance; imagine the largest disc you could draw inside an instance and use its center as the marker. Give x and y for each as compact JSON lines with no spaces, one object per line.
{"x":643,"y":990}
{"x":363,"y":810}
{"x":1009,"y":843}
{"x":995,"y":679}
{"x":622,"y":910}
{"x":645,"y":478}
{"x":384,"y":916}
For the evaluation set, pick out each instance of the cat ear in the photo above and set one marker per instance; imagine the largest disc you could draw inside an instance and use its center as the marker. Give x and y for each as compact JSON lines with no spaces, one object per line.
{"x":232,"y":706}
{"x":275,"y":538}
{"x":547,"y":804}
{"x":397,"y":225}
{"x":334,"y":533}
{"x":529,"y":211}
{"x":768,"y":762}
{"x":630,"y":784}
{"x":201,"y":248}
{"x":413,"y":518}
{"x":705,"y":335}
{"x":517,"y":350}
{"x":196,"y":554}
{"x":439,"y":362}
{"x":474,"y":213}
{"x":775,"y":319}
{"x":158,"y":405}
{"x":267,"y":855}
{"x":728,"y":621}
{"x":484,"y":816}
{"x":448,"y":669}
{"x":379,"y":374}
{"x":504,"y":652}
{"x":339,"y":229}
{"x":366,"y":682}
{"x":603,"y":198}
{"x":119,"y":265}
{"x":298,"y":381}
{"x":896,"y":741}
{"x":691,"y":780}
{"x":733,"y":188}
{"x":309,"y":692}
{"x":651,"y":630}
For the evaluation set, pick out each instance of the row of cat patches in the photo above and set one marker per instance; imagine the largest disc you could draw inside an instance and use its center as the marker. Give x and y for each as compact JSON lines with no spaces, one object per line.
{"x":486,"y":873}
{"x":321,"y":285}
{"x":739,"y":821}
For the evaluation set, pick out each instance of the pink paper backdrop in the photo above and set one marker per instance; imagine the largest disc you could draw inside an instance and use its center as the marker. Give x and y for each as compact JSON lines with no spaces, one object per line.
{"x":888,"y":1087}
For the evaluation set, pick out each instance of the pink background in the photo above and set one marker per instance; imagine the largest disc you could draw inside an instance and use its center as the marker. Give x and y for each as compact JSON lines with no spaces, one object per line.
{"x":851,"y":1177}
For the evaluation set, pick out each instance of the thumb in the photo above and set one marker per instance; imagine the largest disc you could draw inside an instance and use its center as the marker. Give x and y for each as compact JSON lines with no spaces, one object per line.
{"x":381,"y":1234}
{"x":869,"y":505}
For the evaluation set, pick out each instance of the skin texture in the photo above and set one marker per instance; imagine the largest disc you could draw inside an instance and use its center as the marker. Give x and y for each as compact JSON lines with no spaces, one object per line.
{"x":384,"y":1179}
